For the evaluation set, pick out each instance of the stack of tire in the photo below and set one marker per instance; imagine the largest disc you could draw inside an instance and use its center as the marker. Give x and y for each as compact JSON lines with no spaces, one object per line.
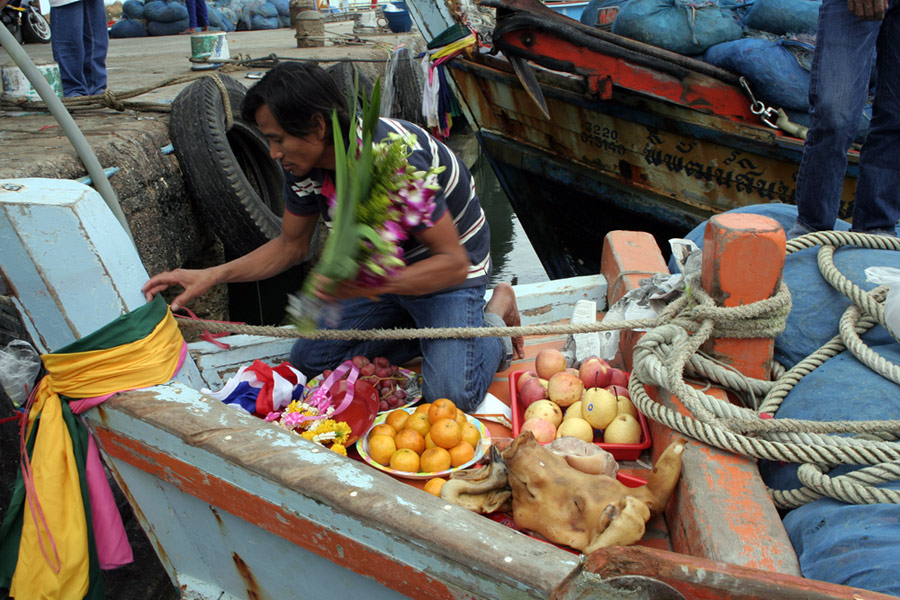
{"x":165,"y":17}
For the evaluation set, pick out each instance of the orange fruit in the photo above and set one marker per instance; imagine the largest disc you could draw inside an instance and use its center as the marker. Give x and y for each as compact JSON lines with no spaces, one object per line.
{"x":461,"y":453}
{"x":405,"y":459}
{"x":445,"y":433}
{"x":381,"y":447}
{"x":470,"y":434}
{"x":434,"y":460}
{"x":428,"y":441}
{"x":397,"y":419}
{"x":434,"y":485}
{"x":383,"y":429}
{"x":461,"y":417}
{"x":410,"y":438}
{"x":419,"y":422}
{"x":423,"y":407}
{"x":442,"y":408}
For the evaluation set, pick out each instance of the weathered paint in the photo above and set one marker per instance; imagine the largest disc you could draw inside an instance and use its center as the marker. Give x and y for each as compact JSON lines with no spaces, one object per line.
{"x":701,"y":579}
{"x":743,"y":256}
{"x":281,"y":502}
{"x":720,"y":509}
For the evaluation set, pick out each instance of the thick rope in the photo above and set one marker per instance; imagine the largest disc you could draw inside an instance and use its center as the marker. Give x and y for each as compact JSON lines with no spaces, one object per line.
{"x":665,"y":353}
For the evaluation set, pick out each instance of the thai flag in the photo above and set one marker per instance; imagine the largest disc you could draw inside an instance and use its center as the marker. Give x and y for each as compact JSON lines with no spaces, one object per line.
{"x":260,"y":389}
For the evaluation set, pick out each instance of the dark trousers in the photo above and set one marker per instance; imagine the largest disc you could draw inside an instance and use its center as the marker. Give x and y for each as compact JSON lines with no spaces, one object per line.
{"x":80,"y":40}
{"x":197,"y":14}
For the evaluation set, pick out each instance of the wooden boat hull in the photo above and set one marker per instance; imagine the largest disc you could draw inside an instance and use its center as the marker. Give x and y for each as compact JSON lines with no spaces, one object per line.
{"x":666,"y":150}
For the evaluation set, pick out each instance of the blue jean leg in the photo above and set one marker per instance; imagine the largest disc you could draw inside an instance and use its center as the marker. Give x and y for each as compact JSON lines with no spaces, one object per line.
{"x":459,"y":369}
{"x":80,"y":41}
{"x":312,"y":357}
{"x":67,"y":41}
{"x":197,"y":13}
{"x":96,"y":45}
{"x":837,"y":92}
{"x":877,"y":206}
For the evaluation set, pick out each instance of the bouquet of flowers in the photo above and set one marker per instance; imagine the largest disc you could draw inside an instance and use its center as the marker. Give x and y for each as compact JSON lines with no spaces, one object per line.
{"x":309,"y":418}
{"x":376,"y":200}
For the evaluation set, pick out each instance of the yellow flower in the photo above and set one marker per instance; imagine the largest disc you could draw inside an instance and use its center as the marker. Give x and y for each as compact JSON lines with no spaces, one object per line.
{"x":339,"y":448}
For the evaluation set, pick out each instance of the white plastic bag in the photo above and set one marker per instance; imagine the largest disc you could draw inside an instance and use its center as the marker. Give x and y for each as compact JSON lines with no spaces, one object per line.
{"x":19,"y":365}
{"x":890,"y":277}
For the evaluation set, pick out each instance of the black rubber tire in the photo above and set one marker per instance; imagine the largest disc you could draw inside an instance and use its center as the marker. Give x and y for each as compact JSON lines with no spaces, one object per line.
{"x":231,"y":178}
{"x":35,"y":28}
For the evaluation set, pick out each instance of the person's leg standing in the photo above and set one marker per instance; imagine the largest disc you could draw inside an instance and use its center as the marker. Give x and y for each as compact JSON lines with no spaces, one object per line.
{"x":312,"y":357}
{"x":838,"y":88}
{"x":192,"y":14}
{"x":67,"y":43}
{"x":459,"y":369}
{"x":202,"y":15}
{"x":877,"y":205}
{"x":96,"y":44}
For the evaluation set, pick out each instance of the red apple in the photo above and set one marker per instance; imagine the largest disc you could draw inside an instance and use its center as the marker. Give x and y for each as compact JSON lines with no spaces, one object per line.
{"x":618,"y":390}
{"x":523,"y":378}
{"x":543,"y":431}
{"x":565,"y":388}
{"x":595,"y":372}
{"x":532,"y":391}
{"x":619,"y":377}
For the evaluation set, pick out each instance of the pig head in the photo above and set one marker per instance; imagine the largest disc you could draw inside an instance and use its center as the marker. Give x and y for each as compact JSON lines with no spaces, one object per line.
{"x":581,"y":510}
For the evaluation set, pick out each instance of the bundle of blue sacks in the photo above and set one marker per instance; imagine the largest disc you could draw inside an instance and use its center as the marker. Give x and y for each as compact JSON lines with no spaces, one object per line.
{"x":769,"y":42}
{"x":170,"y":17}
{"x":841,"y":543}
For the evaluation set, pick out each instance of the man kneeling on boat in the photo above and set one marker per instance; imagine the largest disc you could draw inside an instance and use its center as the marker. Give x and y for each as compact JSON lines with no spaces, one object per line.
{"x":447,"y":256}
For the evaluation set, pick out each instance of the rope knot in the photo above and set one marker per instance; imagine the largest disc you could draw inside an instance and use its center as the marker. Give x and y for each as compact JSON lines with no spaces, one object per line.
{"x":111,"y":100}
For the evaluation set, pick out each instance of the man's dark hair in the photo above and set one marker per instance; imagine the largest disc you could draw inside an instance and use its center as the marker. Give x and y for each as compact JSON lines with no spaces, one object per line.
{"x":295,"y":92}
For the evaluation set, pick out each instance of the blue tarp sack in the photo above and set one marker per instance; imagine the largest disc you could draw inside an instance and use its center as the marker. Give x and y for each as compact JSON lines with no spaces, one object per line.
{"x":133,"y":9}
{"x":685,"y":27}
{"x":771,"y":66}
{"x":282,"y":7}
{"x":228,"y":16}
{"x":164,"y":12}
{"x":590,"y":12}
{"x":173,"y":28}
{"x":783,"y":16}
{"x":128,"y":28}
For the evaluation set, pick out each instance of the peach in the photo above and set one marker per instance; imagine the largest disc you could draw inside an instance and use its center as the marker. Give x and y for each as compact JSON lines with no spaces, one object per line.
{"x":565,"y":388}
{"x":523,"y":378}
{"x":532,"y":391}
{"x":546,"y":410}
{"x":594,"y":372}
{"x":549,"y":362}
{"x":544,"y":431}
{"x":619,"y":377}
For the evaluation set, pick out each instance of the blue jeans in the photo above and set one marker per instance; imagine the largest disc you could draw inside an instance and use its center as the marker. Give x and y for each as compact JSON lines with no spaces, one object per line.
{"x":80,"y":39}
{"x":197,"y":13}
{"x":838,"y":90}
{"x":459,"y":369}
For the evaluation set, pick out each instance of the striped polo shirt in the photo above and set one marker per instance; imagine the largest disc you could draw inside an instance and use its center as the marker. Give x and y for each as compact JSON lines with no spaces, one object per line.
{"x":303,"y":196}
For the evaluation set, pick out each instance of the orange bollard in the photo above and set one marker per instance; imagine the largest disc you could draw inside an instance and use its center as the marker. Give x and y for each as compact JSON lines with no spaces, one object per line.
{"x":743,"y":257}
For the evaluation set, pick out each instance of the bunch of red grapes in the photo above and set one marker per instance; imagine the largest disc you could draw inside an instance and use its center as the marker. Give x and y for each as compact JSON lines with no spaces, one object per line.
{"x":386,"y":378}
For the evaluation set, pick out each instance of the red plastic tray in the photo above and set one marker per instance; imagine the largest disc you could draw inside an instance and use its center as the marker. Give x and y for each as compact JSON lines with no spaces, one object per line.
{"x":619,"y":451}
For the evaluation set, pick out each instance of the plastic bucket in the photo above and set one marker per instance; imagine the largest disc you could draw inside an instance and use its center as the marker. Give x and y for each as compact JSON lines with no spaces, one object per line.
{"x":16,"y":85}
{"x":398,"y":21}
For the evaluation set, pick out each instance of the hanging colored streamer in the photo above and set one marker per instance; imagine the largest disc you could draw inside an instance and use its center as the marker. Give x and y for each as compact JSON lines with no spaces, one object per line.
{"x":63,"y":525}
{"x":437,"y":97}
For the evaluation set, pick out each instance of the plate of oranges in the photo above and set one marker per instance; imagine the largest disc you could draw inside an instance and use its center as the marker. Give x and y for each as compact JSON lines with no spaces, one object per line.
{"x":430,"y":440}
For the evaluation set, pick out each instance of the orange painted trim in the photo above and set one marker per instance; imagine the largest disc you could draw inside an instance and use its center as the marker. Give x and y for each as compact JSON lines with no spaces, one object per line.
{"x":273,"y":518}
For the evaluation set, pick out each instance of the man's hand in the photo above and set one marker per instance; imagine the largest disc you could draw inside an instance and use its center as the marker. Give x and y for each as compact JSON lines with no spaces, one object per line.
{"x":869,"y":10}
{"x":195,"y":282}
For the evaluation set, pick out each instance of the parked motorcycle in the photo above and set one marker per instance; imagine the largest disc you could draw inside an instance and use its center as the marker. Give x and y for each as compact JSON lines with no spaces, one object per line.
{"x":24,"y":20}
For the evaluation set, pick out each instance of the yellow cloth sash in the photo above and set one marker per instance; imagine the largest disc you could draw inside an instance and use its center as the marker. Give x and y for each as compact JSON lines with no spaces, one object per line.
{"x":148,"y":361}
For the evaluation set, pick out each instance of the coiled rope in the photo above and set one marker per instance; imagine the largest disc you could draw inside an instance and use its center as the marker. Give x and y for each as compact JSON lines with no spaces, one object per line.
{"x":666,"y":353}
